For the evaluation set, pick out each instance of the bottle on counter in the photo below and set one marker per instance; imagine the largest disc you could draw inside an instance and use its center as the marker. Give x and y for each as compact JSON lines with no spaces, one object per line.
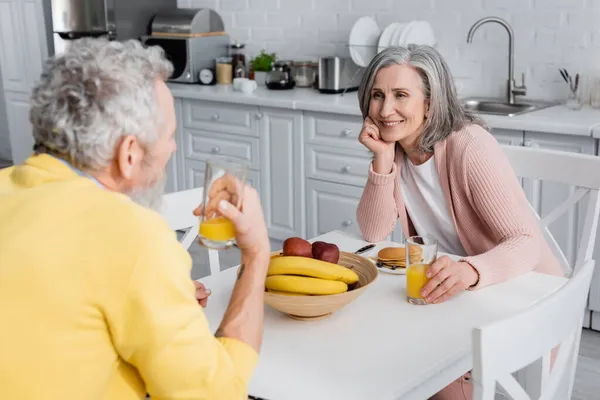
{"x":238,"y":60}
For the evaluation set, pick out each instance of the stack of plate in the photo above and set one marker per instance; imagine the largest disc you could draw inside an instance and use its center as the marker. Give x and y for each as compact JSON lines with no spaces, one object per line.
{"x":367,"y":39}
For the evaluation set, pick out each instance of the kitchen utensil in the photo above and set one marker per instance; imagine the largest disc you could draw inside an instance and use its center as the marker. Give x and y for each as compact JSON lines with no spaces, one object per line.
{"x":363,"y":40}
{"x":304,"y":73}
{"x":248,"y":86}
{"x":280,"y":77}
{"x":365,"y":248}
{"x":319,"y":307}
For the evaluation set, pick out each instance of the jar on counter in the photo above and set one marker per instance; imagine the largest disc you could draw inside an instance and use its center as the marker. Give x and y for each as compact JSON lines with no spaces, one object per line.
{"x":304,"y":73}
{"x":224,"y":71}
{"x":238,"y":60}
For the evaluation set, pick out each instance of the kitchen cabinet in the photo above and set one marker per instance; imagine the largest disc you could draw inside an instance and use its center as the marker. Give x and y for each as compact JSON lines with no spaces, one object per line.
{"x":508,"y":137}
{"x":269,"y":139}
{"x":12,"y":54}
{"x":23,"y":48}
{"x":331,"y":206}
{"x":19,"y":127}
{"x":282,"y":172}
{"x":194,"y":173}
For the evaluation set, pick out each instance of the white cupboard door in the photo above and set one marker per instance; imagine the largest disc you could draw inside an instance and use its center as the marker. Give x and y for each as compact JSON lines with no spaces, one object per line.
{"x":546,"y":196}
{"x":12,"y":50}
{"x":282,"y":172}
{"x":331,"y":206}
{"x":19,"y":128}
{"x":508,"y":137}
{"x":34,"y":29}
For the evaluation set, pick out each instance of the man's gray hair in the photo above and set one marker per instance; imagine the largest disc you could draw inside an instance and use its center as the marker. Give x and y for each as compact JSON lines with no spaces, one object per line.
{"x":93,"y":95}
{"x":446,"y":114}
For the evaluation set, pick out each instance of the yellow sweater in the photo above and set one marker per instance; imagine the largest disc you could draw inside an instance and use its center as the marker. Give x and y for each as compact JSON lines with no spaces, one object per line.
{"x":96,"y":300}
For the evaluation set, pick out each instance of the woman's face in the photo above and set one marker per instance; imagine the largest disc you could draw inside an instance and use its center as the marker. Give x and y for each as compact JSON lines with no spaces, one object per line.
{"x":398,"y":106}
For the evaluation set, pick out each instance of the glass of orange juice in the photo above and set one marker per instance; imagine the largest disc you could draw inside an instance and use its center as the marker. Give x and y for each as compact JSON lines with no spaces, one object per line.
{"x":421,"y":253}
{"x":224,"y":179}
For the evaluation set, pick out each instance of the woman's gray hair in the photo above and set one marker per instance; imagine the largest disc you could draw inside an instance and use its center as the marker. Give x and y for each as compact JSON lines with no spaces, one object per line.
{"x":446,"y":114}
{"x":94,"y":94}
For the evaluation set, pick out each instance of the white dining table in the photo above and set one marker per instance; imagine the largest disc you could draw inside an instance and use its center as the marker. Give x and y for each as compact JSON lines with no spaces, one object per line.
{"x":378,"y":347}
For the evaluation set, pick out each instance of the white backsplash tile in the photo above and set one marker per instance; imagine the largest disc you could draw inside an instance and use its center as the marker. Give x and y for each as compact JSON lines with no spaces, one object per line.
{"x":549,"y":34}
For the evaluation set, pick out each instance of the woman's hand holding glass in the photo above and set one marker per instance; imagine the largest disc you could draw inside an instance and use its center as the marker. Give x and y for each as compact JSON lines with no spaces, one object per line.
{"x":448,"y":278}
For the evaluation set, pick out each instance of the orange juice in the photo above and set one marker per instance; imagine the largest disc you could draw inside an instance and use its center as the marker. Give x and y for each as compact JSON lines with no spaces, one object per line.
{"x":415,"y":280}
{"x":217,"y":229}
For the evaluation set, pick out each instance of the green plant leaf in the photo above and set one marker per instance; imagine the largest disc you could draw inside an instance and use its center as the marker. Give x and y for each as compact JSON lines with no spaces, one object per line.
{"x":263,"y":62}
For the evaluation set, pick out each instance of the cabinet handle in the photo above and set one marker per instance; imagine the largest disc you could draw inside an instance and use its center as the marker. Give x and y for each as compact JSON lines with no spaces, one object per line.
{"x":260,"y":115}
{"x":347,"y":169}
{"x":347,"y":223}
{"x":527,"y":143}
{"x":216,"y":117}
{"x":215,"y":150}
{"x":346,"y":132}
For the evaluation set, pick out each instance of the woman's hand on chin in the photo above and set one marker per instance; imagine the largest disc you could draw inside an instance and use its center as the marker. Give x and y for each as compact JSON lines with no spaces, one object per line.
{"x":447,"y":278}
{"x":384,"y":151}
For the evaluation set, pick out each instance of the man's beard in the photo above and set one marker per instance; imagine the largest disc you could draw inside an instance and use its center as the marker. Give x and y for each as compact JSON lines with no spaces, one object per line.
{"x":151,"y":195}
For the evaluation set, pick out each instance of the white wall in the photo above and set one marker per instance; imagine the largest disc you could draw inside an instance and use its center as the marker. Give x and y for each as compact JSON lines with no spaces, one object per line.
{"x":549,"y":34}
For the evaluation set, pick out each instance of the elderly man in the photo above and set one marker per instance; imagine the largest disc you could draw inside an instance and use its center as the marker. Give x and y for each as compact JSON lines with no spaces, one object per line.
{"x":96,"y":301}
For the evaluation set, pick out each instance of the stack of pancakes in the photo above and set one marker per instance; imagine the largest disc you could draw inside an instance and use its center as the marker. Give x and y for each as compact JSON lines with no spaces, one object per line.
{"x":395,"y":257}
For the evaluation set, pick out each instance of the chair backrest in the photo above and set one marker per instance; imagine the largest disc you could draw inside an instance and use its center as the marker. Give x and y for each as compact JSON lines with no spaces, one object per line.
{"x":528,"y":339}
{"x":177,"y":209}
{"x":579,"y":170}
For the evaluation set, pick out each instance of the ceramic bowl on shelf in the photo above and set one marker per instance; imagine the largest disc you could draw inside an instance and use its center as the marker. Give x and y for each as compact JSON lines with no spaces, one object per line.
{"x":319,"y":307}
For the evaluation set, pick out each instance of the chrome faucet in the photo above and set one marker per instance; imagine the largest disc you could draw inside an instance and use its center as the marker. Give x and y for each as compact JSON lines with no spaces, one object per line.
{"x":512,"y":88}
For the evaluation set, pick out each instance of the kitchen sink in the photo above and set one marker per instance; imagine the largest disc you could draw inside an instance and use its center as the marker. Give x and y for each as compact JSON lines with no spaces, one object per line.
{"x":502,"y":107}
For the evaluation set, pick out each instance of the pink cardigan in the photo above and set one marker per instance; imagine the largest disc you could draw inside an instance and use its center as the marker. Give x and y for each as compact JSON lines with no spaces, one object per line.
{"x":495,"y":225}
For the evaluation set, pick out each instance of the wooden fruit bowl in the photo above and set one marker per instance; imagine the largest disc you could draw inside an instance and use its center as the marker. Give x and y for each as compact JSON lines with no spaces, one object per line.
{"x":319,"y":307}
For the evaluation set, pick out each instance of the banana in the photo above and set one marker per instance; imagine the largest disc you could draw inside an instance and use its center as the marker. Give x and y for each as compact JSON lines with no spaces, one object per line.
{"x":285,"y":293}
{"x":304,"y":285}
{"x":311,"y":267}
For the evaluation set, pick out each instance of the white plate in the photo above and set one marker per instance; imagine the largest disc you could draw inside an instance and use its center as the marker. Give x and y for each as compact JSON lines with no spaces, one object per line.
{"x":420,"y":32}
{"x":387,"y":35}
{"x":363,"y":41}
{"x":398,"y":33}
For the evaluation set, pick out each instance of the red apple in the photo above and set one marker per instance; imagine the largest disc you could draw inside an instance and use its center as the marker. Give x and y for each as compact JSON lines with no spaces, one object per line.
{"x":326,"y":252}
{"x":298,"y":247}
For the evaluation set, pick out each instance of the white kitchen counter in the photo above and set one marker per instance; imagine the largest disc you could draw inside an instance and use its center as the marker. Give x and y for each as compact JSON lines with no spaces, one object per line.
{"x":557,"y":119}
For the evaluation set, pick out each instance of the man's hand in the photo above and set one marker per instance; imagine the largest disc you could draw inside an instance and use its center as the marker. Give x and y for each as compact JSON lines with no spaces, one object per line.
{"x":447,"y":279}
{"x":202,"y":293}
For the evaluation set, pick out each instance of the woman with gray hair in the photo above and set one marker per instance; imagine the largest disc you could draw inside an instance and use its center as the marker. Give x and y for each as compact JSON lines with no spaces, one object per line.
{"x":441,"y":173}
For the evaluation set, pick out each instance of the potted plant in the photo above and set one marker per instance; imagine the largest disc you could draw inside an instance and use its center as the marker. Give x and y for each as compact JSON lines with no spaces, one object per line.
{"x":261,"y":65}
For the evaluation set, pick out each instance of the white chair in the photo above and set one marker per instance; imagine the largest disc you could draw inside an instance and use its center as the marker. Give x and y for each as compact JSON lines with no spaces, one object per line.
{"x":579,"y":170}
{"x":527,"y":339}
{"x":177,"y":209}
